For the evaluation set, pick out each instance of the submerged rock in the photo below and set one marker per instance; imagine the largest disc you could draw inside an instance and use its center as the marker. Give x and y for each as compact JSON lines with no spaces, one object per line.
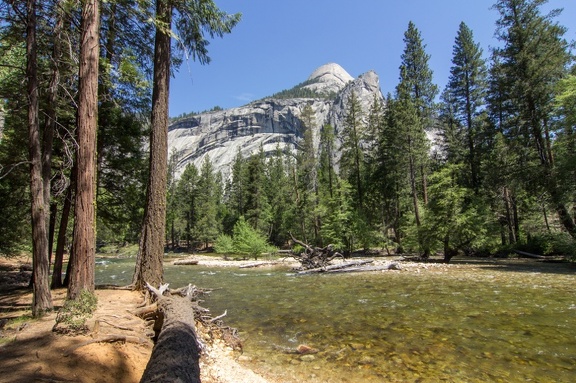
{"x":305,"y":349}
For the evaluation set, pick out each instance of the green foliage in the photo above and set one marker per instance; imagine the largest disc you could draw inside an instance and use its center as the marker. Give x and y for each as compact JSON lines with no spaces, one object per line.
{"x":207,"y":204}
{"x":453,"y":220}
{"x":71,"y":318}
{"x":224,"y":245}
{"x":299,"y":91}
{"x":183,"y":116}
{"x":336,"y":214}
{"x":352,"y":160}
{"x":249,"y":242}
{"x":245,"y":241}
{"x":14,"y":196}
{"x":550,"y":244}
{"x":416,"y":75}
{"x":464,"y":99}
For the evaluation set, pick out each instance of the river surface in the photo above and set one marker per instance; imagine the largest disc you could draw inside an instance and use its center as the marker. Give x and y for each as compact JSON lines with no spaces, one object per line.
{"x":493,"y":322}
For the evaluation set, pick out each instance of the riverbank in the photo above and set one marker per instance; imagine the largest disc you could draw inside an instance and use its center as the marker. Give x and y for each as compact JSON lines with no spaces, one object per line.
{"x":115,"y":349}
{"x":30,"y":351}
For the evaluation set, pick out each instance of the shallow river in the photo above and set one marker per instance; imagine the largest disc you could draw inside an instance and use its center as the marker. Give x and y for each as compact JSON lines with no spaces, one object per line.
{"x":490,"y":324}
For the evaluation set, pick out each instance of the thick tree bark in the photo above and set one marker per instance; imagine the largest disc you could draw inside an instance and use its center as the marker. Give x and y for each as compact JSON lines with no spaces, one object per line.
{"x":50,"y":123}
{"x":84,"y":242}
{"x":149,"y":260}
{"x":42,"y":299}
{"x":176,"y":354}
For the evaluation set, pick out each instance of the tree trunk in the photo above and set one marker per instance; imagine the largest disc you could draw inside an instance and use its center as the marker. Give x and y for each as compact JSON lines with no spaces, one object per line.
{"x":50,"y":123}
{"x":51,"y":229}
{"x":509,"y":216}
{"x":42,"y":299}
{"x":176,"y":354}
{"x":413,"y":190}
{"x":84,"y":242}
{"x":61,"y":242}
{"x":149,"y":260}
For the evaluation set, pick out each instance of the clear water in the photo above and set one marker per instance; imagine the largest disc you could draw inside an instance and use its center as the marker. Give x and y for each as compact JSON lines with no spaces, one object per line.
{"x":493,"y":325}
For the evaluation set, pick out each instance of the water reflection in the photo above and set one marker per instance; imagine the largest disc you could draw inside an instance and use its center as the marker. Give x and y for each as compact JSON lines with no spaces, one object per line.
{"x":489,"y":325}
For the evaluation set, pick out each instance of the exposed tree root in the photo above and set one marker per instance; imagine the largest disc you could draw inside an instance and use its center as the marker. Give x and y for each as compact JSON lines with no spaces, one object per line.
{"x":314,"y":257}
{"x":109,"y":339}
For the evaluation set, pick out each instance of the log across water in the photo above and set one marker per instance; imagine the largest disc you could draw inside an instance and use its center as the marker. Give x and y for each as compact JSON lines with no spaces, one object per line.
{"x":176,"y":354}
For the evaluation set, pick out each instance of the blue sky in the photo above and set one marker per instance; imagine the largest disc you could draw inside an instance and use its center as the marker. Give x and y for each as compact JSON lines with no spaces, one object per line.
{"x":279,"y":43}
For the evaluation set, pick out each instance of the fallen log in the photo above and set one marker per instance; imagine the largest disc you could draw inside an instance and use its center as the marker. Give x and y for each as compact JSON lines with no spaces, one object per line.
{"x":185,"y":262}
{"x":256,"y":264}
{"x":334,"y":267}
{"x":175,"y":356}
{"x":388,"y":266}
{"x":529,"y":255}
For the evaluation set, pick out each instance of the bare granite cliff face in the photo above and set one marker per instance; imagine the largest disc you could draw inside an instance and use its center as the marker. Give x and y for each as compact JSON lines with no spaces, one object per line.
{"x":270,"y":122}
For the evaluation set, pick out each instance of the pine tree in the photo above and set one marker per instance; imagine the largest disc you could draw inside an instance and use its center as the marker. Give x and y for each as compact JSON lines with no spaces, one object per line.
{"x":187,"y":192}
{"x":352,"y":160}
{"x":84,"y":242}
{"x":257,"y":208}
{"x":417,"y":84}
{"x":391,"y":172}
{"x":194,"y":20}
{"x":326,"y":174}
{"x":533,"y":59}
{"x":278,"y":193}
{"x":42,"y":299}
{"x":307,"y":178}
{"x":413,"y":143}
{"x":416,"y":75}
{"x":208,"y":225}
{"x":467,"y":91}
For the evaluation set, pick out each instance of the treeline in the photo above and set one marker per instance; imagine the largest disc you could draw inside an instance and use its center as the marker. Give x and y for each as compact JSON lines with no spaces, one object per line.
{"x":499,"y":175}
{"x":83,"y":146}
{"x":192,"y":114}
{"x":299,"y":91}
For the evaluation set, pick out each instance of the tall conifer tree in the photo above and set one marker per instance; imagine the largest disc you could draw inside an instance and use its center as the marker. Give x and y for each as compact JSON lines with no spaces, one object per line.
{"x":534,"y":57}
{"x":467,"y":91}
{"x":194,"y":20}
{"x":84,"y":242}
{"x":352,"y":160}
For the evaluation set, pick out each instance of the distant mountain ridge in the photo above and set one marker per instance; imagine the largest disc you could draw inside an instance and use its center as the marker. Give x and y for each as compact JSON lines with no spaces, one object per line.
{"x":271,"y":122}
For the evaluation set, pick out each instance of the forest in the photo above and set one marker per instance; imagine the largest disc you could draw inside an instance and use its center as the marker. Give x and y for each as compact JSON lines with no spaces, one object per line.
{"x":84,"y":159}
{"x":498,"y":177}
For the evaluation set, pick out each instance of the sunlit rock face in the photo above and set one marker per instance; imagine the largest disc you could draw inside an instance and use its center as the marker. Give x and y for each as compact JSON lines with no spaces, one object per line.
{"x":270,"y":123}
{"x":329,"y":78}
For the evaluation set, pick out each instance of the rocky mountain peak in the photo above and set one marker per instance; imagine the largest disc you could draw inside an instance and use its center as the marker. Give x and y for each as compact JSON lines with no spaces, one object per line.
{"x":329,"y":78}
{"x":271,"y":122}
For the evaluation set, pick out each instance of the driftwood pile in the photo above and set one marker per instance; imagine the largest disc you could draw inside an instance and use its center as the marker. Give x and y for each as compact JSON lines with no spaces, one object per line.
{"x":314,"y":257}
{"x":317,"y":260}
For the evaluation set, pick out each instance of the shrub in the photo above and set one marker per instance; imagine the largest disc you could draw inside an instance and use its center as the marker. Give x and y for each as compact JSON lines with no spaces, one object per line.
{"x":559,"y":243}
{"x":245,"y":241}
{"x":224,"y":245}
{"x":73,"y":315}
{"x":249,"y":242}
